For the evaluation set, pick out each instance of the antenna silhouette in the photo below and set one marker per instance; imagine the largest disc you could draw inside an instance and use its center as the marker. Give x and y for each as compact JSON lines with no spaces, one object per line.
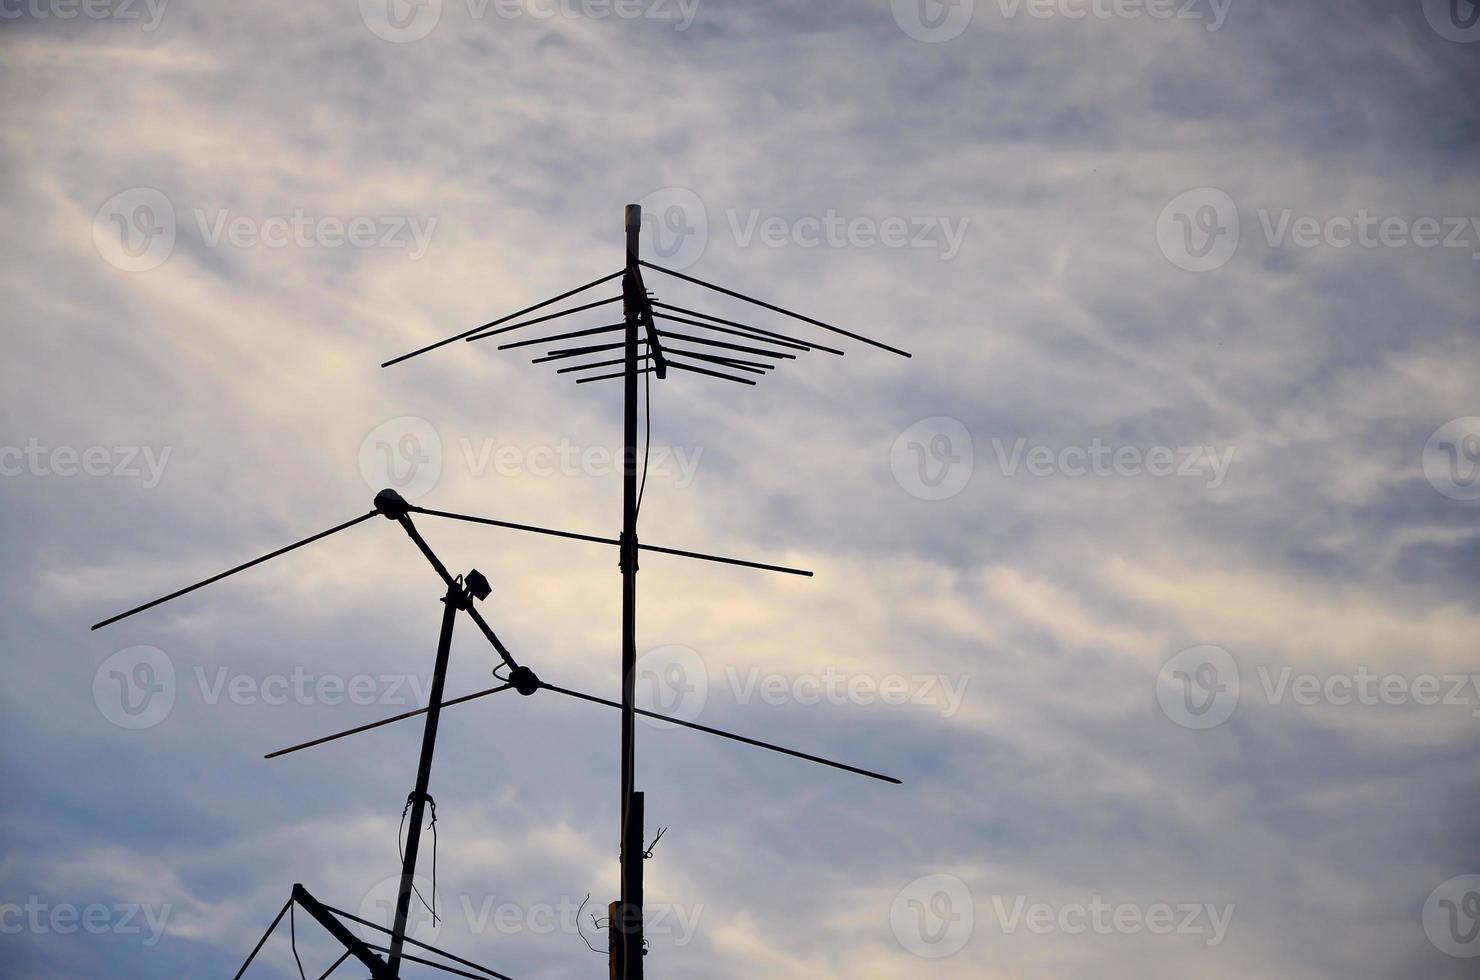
{"x":645,"y":349}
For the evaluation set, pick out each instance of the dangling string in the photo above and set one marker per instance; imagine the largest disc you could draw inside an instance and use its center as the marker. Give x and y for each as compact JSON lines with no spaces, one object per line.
{"x":400,"y":850}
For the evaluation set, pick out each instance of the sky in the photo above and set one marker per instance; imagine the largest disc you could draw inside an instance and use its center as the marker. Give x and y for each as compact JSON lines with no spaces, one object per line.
{"x":1151,"y":573}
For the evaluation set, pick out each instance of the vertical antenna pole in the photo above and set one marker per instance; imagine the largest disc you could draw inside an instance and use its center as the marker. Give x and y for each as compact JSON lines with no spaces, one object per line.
{"x":452,"y":601}
{"x":629,"y":922}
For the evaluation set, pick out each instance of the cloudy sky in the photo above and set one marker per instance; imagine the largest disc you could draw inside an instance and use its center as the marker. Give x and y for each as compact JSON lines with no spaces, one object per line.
{"x":1152,"y":573}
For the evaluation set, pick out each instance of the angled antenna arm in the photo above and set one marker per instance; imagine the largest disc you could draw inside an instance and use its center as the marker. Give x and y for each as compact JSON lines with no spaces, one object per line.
{"x":232,"y":571}
{"x":776,"y":309}
{"x":394,"y":507}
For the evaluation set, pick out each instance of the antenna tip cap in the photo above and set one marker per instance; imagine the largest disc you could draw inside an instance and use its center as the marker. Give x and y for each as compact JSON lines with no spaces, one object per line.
{"x":391,"y":505}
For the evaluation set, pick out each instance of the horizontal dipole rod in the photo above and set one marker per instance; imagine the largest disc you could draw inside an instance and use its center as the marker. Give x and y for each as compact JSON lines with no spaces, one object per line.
{"x":384,"y":721}
{"x":502,"y":319}
{"x":562,"y":336}
{"x":611,"y":541}
{"x":695,"y":369}
{"x":542,"y":319}
{"x":556,"y":355}
{"x":754,"y":367}
{"x":618,"y":374}
{"x":724,"y":734}
{"x":777,"y":309}
{"x":596,"y":364}
{"x":232,"y":571}
{"x":744,"y":330}
{"x":711,"y":342}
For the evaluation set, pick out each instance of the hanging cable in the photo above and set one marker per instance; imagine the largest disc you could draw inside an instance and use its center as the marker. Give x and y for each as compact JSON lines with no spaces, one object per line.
{"x":400,"y":850}
{"x":594,"y":924}
{"x":293,"y":940}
